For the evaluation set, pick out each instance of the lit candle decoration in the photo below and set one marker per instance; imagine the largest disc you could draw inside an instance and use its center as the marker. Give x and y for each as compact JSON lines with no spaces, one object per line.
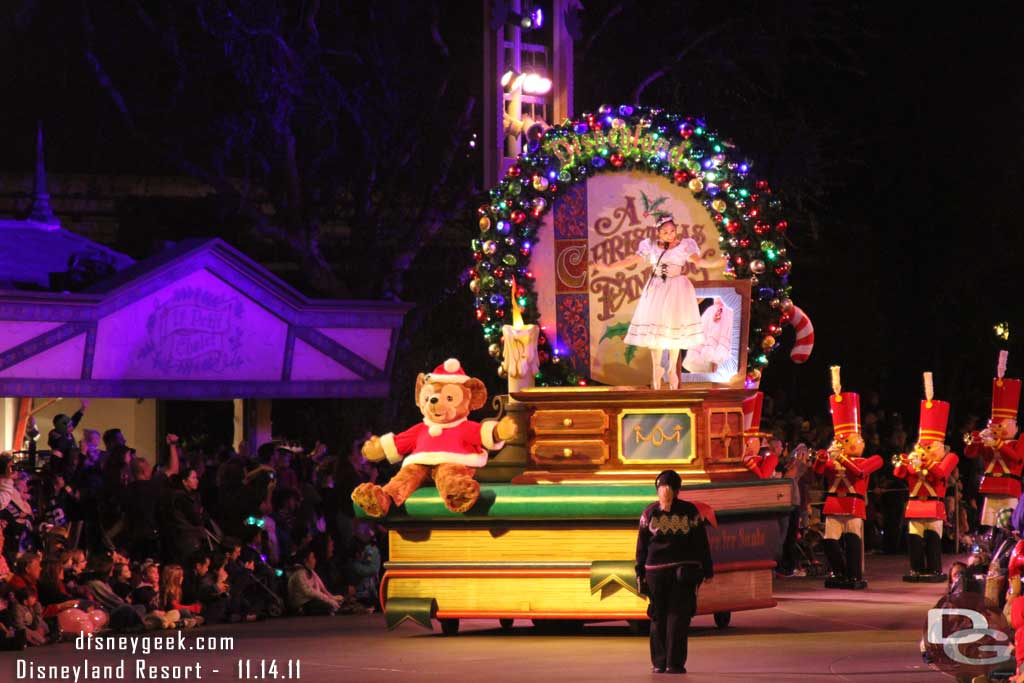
{"x":520,"y":359}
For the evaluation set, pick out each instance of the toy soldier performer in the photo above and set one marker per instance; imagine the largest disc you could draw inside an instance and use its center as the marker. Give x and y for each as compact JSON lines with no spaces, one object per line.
{"x":757,"y":456}
{"x":927,"y":468}
{"x":995,"y":445}
{"x":846,"y":474}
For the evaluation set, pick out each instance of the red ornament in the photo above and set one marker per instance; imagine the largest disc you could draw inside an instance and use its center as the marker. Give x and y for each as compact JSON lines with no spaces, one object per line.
{"x":500,"y":313}
{"x":514,"y":171}
{"x":478,"y":256}
{"x":762,"y":228}
{"x":617,"y":160}
{"x":732,"y":227}
{"x":483,"y":210}
{"x":553,"y":188}
{"x":744,"y":242}
{"x":774,"y":329}
{"x":480,"y":314}
{"x":781,"y":227}
{"x":518,"y":216}
{"x":740,"y":261}
{"x":782,"y":268}
{"x":785,"y":318}
{"x":686,"y":133}
{"x":681,"y":177}
{"x":761,"y":184}
{"x":754,"y":212}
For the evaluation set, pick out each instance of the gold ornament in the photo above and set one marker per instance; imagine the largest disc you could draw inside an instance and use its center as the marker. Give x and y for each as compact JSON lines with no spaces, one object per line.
{"x":718,"y":205}
{"x":485,"y":224}
{"x":768,"y":342}
{"x":754,"y":375}
{"x":494,"y":350}
{"x":786,"y":306}
{"x":474,"y":286}
{"x":540,"y":183}
{"x":775,"y":303}
{"x":696,"y":185}
{"x":501,"y":371}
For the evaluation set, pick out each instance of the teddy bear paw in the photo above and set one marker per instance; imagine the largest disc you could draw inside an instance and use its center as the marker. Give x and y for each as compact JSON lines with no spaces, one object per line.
{"x":463,"y":498}
{"x":372,"y":499}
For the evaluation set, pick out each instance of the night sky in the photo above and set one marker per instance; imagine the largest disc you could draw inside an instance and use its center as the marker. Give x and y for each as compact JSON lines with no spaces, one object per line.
{"x":895,"y":126}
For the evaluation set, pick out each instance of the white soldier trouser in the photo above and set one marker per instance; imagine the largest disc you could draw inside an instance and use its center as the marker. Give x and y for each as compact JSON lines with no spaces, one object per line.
{"x":993,"y":504}
{"x":837,"y":525}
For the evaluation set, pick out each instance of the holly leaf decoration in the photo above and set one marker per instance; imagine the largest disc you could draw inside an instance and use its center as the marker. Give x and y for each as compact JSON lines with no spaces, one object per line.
{"x":630,"y":352}
{"x":658,"y":202}
{"x":616,"y":330}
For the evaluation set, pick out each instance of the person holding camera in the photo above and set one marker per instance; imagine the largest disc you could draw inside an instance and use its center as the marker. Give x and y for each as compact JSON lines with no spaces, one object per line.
{"x":673,"y":557}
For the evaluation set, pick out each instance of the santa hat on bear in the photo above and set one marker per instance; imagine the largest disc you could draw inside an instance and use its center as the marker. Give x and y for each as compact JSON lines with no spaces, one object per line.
{"x":752,"y":414}
{"x":844,"y":406}
{"x":1005,"y":393}
{"x":448,"y":372}
{"x":934,"y":415}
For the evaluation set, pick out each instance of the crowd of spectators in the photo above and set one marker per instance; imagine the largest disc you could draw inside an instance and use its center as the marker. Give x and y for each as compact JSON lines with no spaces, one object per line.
{"x":96,"y":535}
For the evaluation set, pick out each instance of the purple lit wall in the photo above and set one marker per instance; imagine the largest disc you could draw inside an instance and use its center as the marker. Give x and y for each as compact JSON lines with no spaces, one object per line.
{"x":202,"y":321}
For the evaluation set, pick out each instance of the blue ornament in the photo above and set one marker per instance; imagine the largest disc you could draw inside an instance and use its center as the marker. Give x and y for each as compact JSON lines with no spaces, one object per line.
{"x":625,"y":110}
{"x":581,"y":128}
{"x":598,"y":162}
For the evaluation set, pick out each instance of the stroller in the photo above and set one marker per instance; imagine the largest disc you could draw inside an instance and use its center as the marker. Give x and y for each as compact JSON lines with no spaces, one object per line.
{"x":809,"y":545}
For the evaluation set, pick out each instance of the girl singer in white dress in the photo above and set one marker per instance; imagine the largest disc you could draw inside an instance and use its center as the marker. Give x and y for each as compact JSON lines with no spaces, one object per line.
{"x":666,"y":316}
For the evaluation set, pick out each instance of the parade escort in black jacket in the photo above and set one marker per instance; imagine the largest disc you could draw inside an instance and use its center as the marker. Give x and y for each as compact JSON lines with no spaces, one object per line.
{"x":673,"y":557}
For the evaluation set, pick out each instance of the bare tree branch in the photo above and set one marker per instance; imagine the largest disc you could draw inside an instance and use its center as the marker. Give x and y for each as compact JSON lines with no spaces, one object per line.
{"x":431,"y":220}
{"x":605,"y":23}
{"x":676,"y":58}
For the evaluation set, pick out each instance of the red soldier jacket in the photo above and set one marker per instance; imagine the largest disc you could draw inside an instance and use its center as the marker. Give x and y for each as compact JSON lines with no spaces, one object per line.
{"x":847,"y":488}
{"x":927,"y":493}
{"x":1002,"y":468}
{"x":762,"y":466}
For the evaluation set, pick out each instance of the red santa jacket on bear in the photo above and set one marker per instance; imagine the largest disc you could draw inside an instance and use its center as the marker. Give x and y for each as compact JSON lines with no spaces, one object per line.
{"x":429,"y":443}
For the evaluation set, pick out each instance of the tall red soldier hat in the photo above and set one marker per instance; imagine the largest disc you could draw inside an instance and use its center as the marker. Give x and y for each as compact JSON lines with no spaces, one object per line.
{"x":845,"y":408}
{"x":1005,"y":393}
{"x":448,"y":372}
{"x":934,"y":415}
{"x":752,"y":414}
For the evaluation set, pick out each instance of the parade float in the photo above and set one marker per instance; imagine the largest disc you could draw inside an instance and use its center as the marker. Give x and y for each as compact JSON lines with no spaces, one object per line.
{"x":552,"y":536}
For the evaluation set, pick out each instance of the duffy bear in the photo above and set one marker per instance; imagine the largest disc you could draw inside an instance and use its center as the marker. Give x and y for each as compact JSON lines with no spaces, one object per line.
{"x":446,"y":447}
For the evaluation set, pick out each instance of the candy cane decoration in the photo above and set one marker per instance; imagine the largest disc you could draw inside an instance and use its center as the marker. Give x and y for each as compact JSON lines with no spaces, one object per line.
{"x":804,"y":336}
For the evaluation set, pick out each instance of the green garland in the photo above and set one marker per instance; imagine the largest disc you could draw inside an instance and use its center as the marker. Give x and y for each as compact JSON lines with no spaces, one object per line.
{"x":682,"y":149}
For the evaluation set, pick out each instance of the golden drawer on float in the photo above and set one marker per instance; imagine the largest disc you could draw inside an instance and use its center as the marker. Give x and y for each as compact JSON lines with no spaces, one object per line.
{"x":569,"y":452}
{"x":558,"y":422}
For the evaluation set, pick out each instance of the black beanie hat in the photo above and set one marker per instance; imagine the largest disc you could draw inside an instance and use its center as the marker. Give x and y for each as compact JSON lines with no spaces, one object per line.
{"x":669,"y":478}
